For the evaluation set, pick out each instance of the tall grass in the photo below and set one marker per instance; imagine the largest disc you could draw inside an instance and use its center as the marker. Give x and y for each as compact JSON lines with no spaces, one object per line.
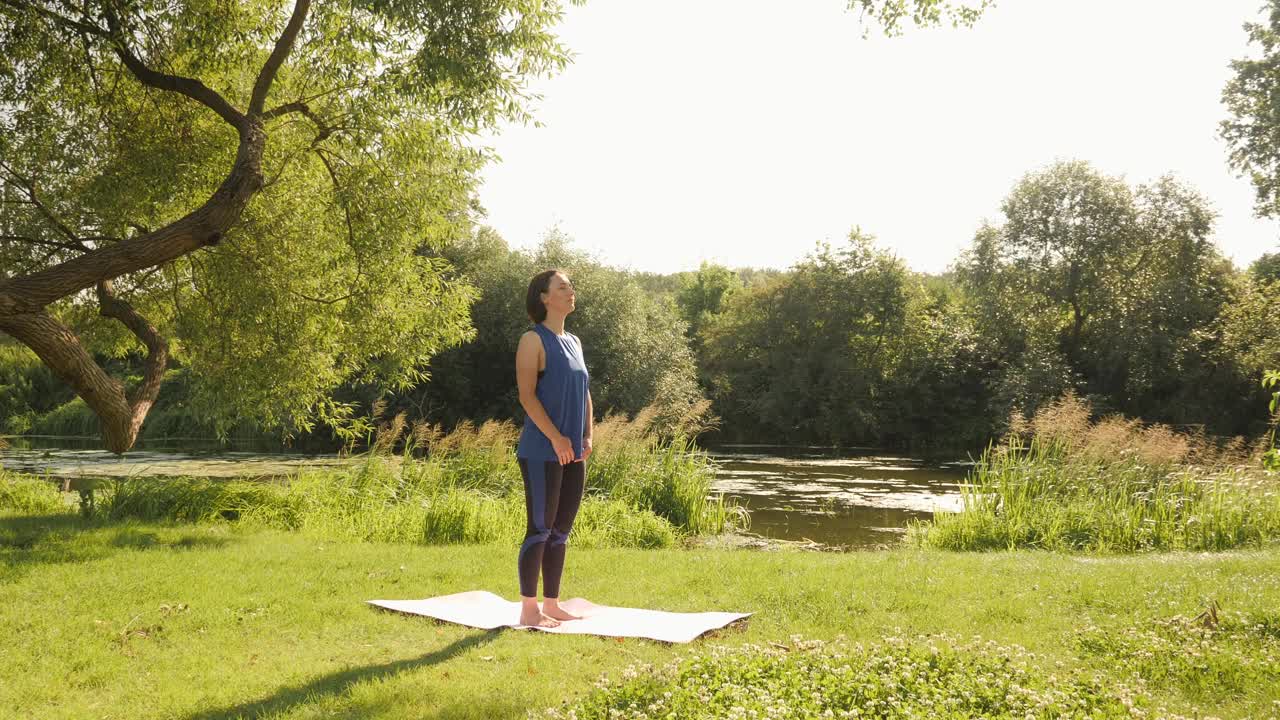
{"x":458,"y":487}
{"x":666,"y":474}
{"x":29,"y":495}
{"x":1064,"y":482}
{"x":388,"y":500}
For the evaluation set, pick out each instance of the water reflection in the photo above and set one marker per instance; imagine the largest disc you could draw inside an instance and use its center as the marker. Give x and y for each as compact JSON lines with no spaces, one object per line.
{"x":860,"y":499}
{"x":67,"y":457}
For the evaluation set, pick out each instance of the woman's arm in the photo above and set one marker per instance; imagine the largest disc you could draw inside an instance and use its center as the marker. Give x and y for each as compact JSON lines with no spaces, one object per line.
{"x":589,"y":425}
{"x":527,"y":354}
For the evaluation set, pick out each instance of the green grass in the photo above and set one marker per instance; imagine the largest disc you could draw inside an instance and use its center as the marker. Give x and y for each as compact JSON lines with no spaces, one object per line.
{"x":934,"y":677}
{"x":220,"y":620}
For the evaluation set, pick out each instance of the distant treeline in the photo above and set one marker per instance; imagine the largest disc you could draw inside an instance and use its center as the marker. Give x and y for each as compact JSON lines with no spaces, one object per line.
{"x":1086,"y":284}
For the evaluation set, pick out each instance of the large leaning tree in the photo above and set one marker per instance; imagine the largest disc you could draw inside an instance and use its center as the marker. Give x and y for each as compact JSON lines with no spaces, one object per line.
{"x":258,"y":189}
{"x":255,"y":188}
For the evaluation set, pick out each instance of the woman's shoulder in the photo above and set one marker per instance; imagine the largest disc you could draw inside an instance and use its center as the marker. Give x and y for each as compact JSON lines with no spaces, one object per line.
{"x":530,"y":338}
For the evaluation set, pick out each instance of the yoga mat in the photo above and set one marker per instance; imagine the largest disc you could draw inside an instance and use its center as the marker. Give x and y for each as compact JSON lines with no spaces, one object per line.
{"x":480,"y":609}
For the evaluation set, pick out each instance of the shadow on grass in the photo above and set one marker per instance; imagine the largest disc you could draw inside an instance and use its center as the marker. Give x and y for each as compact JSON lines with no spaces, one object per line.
{"x":28,"y":541}
{"x":339,"y":683}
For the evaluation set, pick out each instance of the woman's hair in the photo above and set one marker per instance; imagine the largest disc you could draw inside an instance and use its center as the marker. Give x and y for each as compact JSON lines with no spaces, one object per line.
{"x":533,"y":300}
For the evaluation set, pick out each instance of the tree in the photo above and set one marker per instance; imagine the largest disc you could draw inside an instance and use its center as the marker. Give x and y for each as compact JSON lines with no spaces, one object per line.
{"x":342,"y":123}
{"x":259,"y":190}
{"x":1250,"y":132}
{"x":634,"y":340}
{"x":703,"y":294}
{"x":1249,"y":329}
{"x":806,"y":358}
{"x":1111,"y":291}
{"x":1266,"y":268}
{"x":1069,"y":233}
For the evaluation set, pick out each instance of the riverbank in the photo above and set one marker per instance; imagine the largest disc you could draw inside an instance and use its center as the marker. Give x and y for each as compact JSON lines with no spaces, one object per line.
{"x":214,"y":620}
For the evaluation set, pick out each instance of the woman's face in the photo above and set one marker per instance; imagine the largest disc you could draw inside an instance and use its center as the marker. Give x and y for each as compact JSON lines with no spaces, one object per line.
{"x":559,"y":297}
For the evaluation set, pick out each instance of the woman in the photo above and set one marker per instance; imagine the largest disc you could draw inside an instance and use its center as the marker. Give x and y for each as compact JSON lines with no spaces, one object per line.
{"x":554,"y":445}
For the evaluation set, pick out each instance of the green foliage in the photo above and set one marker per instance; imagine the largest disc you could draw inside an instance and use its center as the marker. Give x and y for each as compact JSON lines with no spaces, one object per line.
{"x":1271,"y":458}
{"x":1029,"y":497}
{"x":1266,"y":269}
{"x":803,"y":358}
{"x":333,"y":273}
{"x":891,"y":15}
{"x":27,"y":388}
{"x":703,"y":295}
{"x":420,"y":503}
{"x":847,"y":348}
{"x":1250,"y":335}
{"x":669,"y":476}
{"x":1114,"y":292}
{"x":634,"y":342}
{"x":72,"y":418}
{"x":934,"y":676}
{"x":189,"y":500}
{"x":1250,"y":130}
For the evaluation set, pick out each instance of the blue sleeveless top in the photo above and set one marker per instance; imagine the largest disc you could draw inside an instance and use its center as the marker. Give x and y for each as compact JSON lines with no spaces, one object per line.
{"x":562,"y":390}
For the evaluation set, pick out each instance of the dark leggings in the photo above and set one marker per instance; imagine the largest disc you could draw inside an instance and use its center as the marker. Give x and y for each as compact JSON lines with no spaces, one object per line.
{"x":552,"y":494}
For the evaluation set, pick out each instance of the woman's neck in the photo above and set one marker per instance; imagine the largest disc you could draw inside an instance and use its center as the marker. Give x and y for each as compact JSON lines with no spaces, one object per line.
{"x":555,"y":323}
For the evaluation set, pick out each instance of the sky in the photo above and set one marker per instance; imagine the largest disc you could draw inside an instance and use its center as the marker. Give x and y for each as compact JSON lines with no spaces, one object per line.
{"x":744,"y":132}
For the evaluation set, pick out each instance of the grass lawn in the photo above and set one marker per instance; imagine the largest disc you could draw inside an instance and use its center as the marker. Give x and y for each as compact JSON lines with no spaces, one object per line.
{"x":151,"y":620}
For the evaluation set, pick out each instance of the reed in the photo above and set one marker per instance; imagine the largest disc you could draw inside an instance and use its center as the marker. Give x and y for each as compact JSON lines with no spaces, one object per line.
{"x":1063,"y":482}
{"x":458,"y":487}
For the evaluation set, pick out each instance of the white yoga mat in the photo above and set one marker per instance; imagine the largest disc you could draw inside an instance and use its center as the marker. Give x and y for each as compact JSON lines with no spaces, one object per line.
{"x":480,"y":609}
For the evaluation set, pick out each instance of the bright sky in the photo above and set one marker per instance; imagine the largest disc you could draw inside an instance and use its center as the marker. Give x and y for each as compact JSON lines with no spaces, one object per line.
{"x":743,"y":132}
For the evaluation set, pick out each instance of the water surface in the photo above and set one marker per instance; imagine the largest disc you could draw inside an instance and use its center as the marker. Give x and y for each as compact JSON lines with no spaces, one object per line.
{"x":859,"y":498}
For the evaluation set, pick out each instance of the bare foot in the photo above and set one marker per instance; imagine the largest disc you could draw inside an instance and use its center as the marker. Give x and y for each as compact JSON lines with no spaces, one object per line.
{"x":559,"y":613}
{"x":537,"y":619}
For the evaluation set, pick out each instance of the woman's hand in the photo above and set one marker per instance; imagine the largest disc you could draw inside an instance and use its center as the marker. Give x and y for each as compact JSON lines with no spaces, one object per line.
{"x":586,"y":447}
{"x":563,"y":448}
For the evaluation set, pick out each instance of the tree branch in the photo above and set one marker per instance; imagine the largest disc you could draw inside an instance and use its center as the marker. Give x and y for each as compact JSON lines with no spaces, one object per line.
{"x":293,"y":106}
{"x":144,"y":396}
{"x":57,"y":18}
{"x":43,"y":243}
{"x":190,"y":87}
{"x":29,"y":186}
{"x":283,"y":45}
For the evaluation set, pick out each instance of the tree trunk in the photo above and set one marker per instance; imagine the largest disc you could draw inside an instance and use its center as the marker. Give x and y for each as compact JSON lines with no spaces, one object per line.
{"x":23,"y":299}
